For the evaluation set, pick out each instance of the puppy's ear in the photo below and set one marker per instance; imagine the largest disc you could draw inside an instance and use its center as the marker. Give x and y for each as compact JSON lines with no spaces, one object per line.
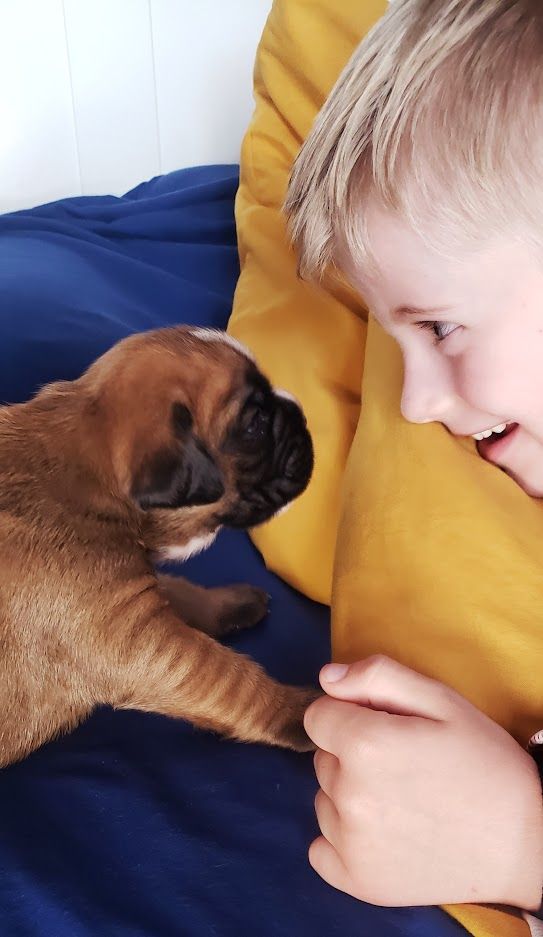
{"x":179,"y":475}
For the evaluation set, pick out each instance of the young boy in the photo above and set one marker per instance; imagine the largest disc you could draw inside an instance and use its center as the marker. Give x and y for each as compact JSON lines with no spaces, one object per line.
{"x":422,"y":182}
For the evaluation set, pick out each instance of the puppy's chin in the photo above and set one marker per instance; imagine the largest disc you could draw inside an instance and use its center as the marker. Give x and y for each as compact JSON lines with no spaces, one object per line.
{"x":176,"y":553}
{"x":172,"y":536}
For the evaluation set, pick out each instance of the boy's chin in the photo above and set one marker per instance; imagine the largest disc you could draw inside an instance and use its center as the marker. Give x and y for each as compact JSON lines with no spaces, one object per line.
{"x":531,"y":487}
{"x":525,"y":466}
{"x":520,"y":456}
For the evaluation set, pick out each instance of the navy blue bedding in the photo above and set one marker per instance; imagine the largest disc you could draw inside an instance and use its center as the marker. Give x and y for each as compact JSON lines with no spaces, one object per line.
{"x":137,"y":825}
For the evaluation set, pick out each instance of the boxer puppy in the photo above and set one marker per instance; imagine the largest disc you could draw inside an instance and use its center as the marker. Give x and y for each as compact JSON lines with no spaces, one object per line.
{"x":168,"y":437}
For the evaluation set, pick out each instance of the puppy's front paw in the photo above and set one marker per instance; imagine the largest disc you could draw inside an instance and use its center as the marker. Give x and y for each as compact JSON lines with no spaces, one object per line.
{"x":292,"y":733}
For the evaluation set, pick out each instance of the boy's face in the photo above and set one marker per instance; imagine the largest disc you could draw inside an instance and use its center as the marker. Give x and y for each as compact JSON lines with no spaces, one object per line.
{"x":471,"y":335}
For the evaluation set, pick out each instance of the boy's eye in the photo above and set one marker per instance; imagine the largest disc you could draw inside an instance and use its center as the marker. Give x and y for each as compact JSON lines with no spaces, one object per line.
{"x":440,"y":329}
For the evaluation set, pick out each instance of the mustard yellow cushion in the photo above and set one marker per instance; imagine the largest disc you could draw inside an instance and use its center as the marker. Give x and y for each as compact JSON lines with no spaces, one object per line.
{"x":310,"y":343}
{"x":439,"y":559}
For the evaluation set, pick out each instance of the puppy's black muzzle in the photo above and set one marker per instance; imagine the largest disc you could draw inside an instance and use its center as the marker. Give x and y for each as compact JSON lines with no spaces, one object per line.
{"x":278,"y":473}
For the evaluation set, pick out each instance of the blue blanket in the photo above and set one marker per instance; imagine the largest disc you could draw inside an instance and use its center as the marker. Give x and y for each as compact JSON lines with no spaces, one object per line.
{"x":137,"y":825}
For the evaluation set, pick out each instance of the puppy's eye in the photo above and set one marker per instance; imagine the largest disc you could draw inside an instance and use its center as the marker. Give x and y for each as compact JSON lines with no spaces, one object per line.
{"x":257,"y":426}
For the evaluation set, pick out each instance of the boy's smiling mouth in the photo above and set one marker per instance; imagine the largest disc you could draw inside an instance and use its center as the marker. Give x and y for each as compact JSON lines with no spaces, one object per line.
{"x":498,"y":430}
{"x":492,"y":443}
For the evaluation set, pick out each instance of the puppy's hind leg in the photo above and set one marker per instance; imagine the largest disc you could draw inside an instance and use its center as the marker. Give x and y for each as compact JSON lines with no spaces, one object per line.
{"x":217,"y":611}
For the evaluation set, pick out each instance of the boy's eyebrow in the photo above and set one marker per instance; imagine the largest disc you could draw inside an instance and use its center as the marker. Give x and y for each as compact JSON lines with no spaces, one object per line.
{"x":418,"y":311}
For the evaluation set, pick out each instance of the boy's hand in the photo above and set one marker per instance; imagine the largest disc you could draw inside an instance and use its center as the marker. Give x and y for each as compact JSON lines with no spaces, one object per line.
{"x":423,"y":799}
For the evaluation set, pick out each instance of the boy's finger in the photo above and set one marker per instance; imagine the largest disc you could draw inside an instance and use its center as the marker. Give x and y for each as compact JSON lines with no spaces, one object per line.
{"x":327,"y":818}
{"x":327,"y":863}
{"x":329,"y":723}
{"x":326,"y":770}
{"x":384,"y":684}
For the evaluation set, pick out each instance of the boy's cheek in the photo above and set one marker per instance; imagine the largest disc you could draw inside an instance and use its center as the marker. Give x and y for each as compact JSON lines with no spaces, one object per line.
{"x":490,"y":385}
{"x":486,"y":396}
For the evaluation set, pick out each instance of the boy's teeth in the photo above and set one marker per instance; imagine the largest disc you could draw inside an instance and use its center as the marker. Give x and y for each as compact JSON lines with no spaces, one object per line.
{"x":488,"y":432}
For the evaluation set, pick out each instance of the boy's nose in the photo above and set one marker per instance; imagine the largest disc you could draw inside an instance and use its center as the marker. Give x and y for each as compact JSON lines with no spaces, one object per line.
{"x":427,"y":395}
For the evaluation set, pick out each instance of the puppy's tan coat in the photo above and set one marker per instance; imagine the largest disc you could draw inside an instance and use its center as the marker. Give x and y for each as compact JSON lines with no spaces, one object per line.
{"x":84,"y":618}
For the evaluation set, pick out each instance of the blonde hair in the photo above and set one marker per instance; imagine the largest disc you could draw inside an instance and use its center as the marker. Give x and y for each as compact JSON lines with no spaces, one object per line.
{"x":439,"y":115}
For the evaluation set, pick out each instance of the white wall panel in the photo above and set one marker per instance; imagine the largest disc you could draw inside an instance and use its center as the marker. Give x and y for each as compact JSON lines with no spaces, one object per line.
{"x":38,"y":152}
{"x":204,"y":53}
{"x":111,"y":62}
{"x":98,"y":95}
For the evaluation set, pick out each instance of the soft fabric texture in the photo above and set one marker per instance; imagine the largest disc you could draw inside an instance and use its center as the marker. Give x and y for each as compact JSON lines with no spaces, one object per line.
{"x":438,"y":558}
{"x":311,"y":342}
{"x":136,"y":825}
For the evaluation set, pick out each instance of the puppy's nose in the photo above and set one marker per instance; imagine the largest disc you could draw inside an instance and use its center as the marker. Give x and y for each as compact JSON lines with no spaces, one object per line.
{"x":286,"y":395}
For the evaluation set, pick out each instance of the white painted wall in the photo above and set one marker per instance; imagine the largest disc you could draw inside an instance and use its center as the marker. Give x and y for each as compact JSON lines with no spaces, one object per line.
{"x":98,"y":95}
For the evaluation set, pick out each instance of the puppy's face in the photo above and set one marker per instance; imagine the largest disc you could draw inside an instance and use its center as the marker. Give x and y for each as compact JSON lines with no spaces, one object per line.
{"x":198,"y":436}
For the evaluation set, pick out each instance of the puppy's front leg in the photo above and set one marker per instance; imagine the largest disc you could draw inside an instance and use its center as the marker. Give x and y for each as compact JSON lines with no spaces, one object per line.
{"x":170,"y":668}
{"x":217,"y":611}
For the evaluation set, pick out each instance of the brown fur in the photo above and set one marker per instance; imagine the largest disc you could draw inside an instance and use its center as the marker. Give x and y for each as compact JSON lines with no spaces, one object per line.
{"x":84,"y":618}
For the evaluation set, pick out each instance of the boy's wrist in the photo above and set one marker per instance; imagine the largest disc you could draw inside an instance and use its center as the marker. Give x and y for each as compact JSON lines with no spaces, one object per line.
{"x":528,"y":887}
{"x":535,"y":749}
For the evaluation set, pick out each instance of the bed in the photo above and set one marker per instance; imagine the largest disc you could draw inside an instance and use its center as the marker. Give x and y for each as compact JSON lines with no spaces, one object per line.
{"x":135,"y":824}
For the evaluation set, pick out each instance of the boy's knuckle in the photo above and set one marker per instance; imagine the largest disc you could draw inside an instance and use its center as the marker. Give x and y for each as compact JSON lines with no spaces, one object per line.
{"x":373,"y":668}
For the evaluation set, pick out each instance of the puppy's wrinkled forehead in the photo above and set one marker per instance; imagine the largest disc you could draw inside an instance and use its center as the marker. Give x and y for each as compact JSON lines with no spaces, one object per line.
{"x":237,"y":376}
{"x":230,"y":380}
{"x":215,"y":337}
{"x":206,"y":370}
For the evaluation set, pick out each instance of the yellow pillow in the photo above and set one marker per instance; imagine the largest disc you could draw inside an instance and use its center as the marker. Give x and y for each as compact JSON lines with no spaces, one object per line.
{"x":438,"y":554}
{"x":310,"y":343}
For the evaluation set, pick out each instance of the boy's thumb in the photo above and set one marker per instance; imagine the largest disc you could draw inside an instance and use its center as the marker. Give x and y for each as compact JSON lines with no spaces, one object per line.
{"x":331,"y":673}
{"x":384,"y":684}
